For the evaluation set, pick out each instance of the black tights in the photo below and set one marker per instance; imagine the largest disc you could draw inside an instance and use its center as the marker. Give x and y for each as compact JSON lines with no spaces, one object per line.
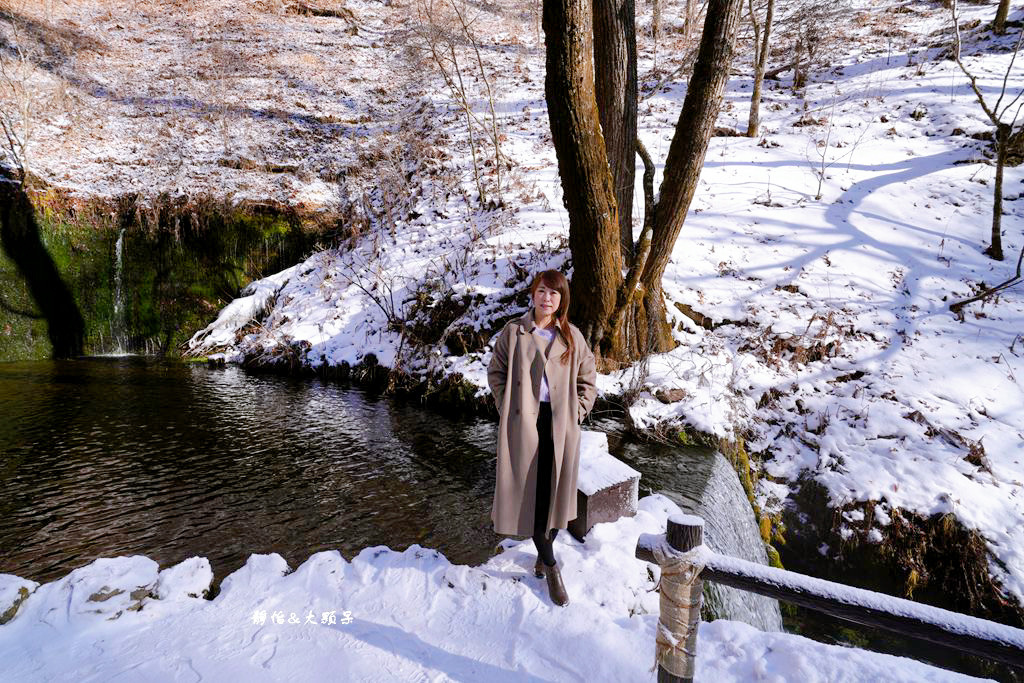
{"x":542,"y":537}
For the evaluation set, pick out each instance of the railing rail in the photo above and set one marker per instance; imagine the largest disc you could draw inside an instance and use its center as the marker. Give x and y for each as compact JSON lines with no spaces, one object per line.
{"x":681,"y":546}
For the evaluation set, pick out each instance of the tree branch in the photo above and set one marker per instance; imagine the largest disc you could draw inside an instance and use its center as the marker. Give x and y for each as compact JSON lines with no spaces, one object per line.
{"x":970,"y":77}
{"x":956,"y":307}
{"x":643,"y":246}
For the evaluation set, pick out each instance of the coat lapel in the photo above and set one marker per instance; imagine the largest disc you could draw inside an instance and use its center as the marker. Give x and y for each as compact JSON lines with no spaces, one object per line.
{"x":558,"y":347}
{"x":536,"y":349}
{"x":533,"y":351}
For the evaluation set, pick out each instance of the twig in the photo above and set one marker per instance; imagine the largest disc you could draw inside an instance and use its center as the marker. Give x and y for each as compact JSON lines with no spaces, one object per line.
{"x":1017,"y":278}
{"x":490,"y":97}
{"x":993,"y":114}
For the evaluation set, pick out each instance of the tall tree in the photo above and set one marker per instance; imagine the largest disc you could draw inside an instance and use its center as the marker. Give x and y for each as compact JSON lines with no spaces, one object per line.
{"x":761,"y":43}
{"x":624,"y":317}
{"x":587,"y":188}
{"x":1004,"y":117}
{"x":616,"y":91}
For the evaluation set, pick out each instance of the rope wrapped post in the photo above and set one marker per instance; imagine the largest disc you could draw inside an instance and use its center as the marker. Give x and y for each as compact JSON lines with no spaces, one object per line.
{"x":682,"y":593}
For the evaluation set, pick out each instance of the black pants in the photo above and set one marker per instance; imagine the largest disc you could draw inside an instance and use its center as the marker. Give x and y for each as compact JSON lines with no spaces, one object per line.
{"x":542,"y":538}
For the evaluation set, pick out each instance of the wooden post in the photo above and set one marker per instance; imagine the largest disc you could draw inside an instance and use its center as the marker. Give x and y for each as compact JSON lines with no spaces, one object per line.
{"x":978,"y":637}
{"x":681,"y":593}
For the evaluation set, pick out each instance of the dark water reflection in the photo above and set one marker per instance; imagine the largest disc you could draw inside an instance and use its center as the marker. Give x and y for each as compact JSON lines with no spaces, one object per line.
{"x":110,"y":457}
{"x":122,"y":456}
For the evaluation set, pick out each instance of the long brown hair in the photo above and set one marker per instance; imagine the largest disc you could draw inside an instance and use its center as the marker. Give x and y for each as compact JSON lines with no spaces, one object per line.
{"x":552,"y":279}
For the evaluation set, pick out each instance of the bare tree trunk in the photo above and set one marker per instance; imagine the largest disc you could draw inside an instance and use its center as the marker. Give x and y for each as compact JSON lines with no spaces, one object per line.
{"x":689,"y":18}
{"x":799,"y":70}
{"x":1004,"y":131}
{"x":753,"y":121}
{"x":999,"y":24}
{"x":616,"y":90}
{"x":640,"y":325}
{"x":587,"y":189}
{"x":637,"y":345}
{"x":629,"y":321}
{"x":995,"y":249}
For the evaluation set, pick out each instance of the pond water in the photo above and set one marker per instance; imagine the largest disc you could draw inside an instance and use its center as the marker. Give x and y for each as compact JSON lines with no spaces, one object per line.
{"x":107,"y":457}
{"x":118,"y":456}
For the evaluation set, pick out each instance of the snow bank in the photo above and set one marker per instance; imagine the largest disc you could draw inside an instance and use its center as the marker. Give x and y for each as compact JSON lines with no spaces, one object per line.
{"x":399,"y":615}
{"x":731,"y":651}
{"x":252,"y":306}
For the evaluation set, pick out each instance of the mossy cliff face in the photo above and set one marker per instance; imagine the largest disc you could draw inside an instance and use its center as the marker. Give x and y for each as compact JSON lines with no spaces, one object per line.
{"x":181,"y":261}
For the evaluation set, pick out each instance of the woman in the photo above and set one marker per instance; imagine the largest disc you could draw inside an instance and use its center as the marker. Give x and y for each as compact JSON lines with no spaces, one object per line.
{"x":543,"y":378}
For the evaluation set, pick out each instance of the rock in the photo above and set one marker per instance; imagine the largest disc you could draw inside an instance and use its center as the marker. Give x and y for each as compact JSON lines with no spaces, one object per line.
{"x":14,"y":590}
{"x":108,"y":587}
{"x":670,"y":395}
{"x":188,"y":579}
{"x":607,"y":488}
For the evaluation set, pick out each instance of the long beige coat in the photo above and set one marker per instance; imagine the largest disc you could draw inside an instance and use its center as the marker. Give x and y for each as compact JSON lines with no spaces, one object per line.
{"x":514,"y":375}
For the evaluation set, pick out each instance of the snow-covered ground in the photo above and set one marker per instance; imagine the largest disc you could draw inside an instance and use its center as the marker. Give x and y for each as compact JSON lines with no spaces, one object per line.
{"x":397,"y":616}
{"x":245,"y":101}
{"x":844,"y":362}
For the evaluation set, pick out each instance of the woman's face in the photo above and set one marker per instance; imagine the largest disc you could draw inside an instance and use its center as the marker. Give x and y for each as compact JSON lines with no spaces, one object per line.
{"x":546,"y":300}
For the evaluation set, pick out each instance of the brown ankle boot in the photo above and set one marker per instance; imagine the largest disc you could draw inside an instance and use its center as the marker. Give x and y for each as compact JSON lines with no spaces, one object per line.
{"x":538,"y":569}
{"x":556,"y":589}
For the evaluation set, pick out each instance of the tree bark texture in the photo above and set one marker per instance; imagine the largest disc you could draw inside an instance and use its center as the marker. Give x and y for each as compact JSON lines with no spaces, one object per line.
{"x":753,"y":121}
{"x":999,"y":24}
{"x":995,"y":249}
{"x":587,"y":190}
{"x":616,"y":90}
{"x":633,"y":333}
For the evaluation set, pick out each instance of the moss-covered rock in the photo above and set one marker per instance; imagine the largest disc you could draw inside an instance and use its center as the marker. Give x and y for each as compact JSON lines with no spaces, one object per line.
{"x":182,"y":260}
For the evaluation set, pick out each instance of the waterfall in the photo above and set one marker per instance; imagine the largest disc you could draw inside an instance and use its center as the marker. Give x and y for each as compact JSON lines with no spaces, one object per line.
{"x":118,"y":323}
{"x":703,"y":483}
{"x":731,"y":529}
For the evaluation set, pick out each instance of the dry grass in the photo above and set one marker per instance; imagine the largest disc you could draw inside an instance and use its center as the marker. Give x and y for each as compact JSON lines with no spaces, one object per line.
{"x":158,"y":96}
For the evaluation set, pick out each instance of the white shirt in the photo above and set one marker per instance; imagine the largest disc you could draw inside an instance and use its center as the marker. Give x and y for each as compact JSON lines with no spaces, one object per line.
{"x":549,"y":336}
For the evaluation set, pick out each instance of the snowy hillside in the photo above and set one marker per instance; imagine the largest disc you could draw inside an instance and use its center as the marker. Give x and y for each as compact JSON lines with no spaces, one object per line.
{"x":832,"y":346}
{"x":826,"y":344}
